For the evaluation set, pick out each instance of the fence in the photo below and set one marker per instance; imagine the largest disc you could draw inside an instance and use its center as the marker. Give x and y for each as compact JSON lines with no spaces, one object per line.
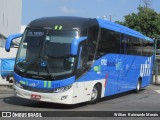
{"x":156,"y":78}
{"x":156,"y":73}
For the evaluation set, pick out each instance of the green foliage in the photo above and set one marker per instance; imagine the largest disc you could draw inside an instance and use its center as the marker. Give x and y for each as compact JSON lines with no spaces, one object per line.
{"x":146,"y":21}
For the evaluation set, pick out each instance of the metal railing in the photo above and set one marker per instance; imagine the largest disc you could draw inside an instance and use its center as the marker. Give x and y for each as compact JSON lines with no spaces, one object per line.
{"x":156,"y":73}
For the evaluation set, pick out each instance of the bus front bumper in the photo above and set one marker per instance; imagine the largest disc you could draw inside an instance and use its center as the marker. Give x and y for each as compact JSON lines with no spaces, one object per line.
{"x":61,"y":98}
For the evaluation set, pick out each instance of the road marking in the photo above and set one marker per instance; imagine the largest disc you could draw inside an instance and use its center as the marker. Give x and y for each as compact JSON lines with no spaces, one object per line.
{"x":158,"y":91}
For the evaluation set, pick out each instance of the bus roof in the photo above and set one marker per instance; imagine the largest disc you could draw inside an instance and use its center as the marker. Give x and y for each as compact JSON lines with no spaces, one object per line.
{"x":119,"y":28}
{"x":69,"y":23}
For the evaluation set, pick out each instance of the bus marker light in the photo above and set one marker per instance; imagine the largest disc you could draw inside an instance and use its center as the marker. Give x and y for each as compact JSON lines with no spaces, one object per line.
{"x":106,"y":80}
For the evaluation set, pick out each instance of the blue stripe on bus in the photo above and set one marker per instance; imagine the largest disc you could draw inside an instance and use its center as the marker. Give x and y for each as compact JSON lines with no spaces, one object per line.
{"x":44,"y":83}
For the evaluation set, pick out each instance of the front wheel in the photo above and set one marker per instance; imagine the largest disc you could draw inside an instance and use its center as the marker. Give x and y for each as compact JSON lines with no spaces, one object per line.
{"x":96,"y":93}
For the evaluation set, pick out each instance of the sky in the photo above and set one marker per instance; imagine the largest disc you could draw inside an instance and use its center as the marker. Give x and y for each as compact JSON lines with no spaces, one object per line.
{"x":117,"y":9}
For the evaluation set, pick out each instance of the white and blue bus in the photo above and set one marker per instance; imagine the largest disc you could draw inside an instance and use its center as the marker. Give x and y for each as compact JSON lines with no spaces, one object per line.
{"x":69,"y":60}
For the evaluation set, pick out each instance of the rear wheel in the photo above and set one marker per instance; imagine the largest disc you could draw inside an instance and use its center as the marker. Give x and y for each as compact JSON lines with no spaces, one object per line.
{"x":96,"y":93}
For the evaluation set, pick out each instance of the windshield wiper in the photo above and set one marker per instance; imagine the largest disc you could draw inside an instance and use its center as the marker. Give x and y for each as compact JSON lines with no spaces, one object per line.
{"x":50,"y":73}
{"x":44,"y":64}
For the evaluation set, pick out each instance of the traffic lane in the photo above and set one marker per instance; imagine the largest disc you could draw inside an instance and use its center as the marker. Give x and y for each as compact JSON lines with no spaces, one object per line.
{"x":147,"y":99}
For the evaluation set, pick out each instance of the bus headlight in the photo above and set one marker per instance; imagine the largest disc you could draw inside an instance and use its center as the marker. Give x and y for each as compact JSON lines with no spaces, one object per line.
{"x":18,"y":84}
{"x":62,"y":89}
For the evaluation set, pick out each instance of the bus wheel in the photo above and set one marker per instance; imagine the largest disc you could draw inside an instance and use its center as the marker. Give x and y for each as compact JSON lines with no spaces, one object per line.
{"x":138,"y":87}
{"x":96,"y":93}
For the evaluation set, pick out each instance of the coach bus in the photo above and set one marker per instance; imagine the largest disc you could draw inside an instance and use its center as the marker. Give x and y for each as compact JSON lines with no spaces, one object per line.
{"x":69,"y":60}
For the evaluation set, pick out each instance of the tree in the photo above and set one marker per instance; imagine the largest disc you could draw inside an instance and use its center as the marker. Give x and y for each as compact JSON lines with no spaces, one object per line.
{"x":146,"y":21}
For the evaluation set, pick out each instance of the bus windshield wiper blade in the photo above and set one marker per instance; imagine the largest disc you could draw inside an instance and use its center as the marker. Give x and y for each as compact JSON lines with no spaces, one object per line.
{"x":44,"y":64}
{"x":50,"y":74}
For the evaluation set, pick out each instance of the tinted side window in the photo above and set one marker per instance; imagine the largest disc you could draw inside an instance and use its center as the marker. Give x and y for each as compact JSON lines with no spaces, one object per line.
{"x":92,"y":35}
{"x":147,"y":48}
{"x":134,"y":46}
{"x":83,"y":54}
{"x":109,"y":42}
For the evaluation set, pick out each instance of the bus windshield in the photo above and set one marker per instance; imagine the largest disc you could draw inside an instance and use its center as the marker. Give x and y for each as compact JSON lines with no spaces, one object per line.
{"x":46,"y":53}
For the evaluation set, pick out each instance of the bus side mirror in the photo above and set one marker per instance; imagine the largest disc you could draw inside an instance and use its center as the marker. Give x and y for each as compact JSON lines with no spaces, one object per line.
{"x":10,"y":39}
{"x":75,"y":44}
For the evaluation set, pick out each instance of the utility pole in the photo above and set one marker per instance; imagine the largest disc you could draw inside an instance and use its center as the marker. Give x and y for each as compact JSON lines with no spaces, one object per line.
{"x":147,"y":3}
{"x":155,"y":63}
{"x":110,"y":17}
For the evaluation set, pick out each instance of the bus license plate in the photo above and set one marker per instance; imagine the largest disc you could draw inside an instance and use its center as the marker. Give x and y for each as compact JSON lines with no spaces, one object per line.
{"x":35,"y":97}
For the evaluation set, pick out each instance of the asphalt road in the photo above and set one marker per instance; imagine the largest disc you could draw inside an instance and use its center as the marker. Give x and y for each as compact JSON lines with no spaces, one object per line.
{"x":147,"y":100}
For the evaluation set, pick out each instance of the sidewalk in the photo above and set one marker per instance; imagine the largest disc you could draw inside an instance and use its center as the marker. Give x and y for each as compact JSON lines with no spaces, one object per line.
{"x":5,"y":86}
{"x":6,"y":89}
{"x":4,"y":82}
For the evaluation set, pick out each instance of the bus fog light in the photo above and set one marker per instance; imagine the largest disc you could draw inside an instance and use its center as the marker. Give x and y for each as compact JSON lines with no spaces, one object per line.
{"x":64,"y":97}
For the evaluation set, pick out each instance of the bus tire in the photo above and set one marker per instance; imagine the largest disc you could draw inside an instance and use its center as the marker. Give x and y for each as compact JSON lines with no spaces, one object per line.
{"x":138,"y":86}
{"x":96,"y":94}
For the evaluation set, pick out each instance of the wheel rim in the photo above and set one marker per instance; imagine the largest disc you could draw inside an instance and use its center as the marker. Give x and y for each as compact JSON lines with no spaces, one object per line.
{"x":94,"y":94}
{"x":138,"y":86}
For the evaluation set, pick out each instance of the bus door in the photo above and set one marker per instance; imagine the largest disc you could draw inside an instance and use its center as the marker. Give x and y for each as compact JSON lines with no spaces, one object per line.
{"x":121,"y":64}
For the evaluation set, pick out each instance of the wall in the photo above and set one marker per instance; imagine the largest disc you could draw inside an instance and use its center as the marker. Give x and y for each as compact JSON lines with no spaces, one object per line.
{"x":10,"y":16}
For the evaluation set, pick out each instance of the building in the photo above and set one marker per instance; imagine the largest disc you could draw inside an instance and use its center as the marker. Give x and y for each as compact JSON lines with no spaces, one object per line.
{"x":23,"y":27}
{"x":10,"y":23}
{"x":10,"y":16}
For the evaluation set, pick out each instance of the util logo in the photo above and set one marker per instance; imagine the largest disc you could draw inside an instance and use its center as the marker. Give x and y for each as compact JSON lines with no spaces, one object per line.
{"x":145,"y":69}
